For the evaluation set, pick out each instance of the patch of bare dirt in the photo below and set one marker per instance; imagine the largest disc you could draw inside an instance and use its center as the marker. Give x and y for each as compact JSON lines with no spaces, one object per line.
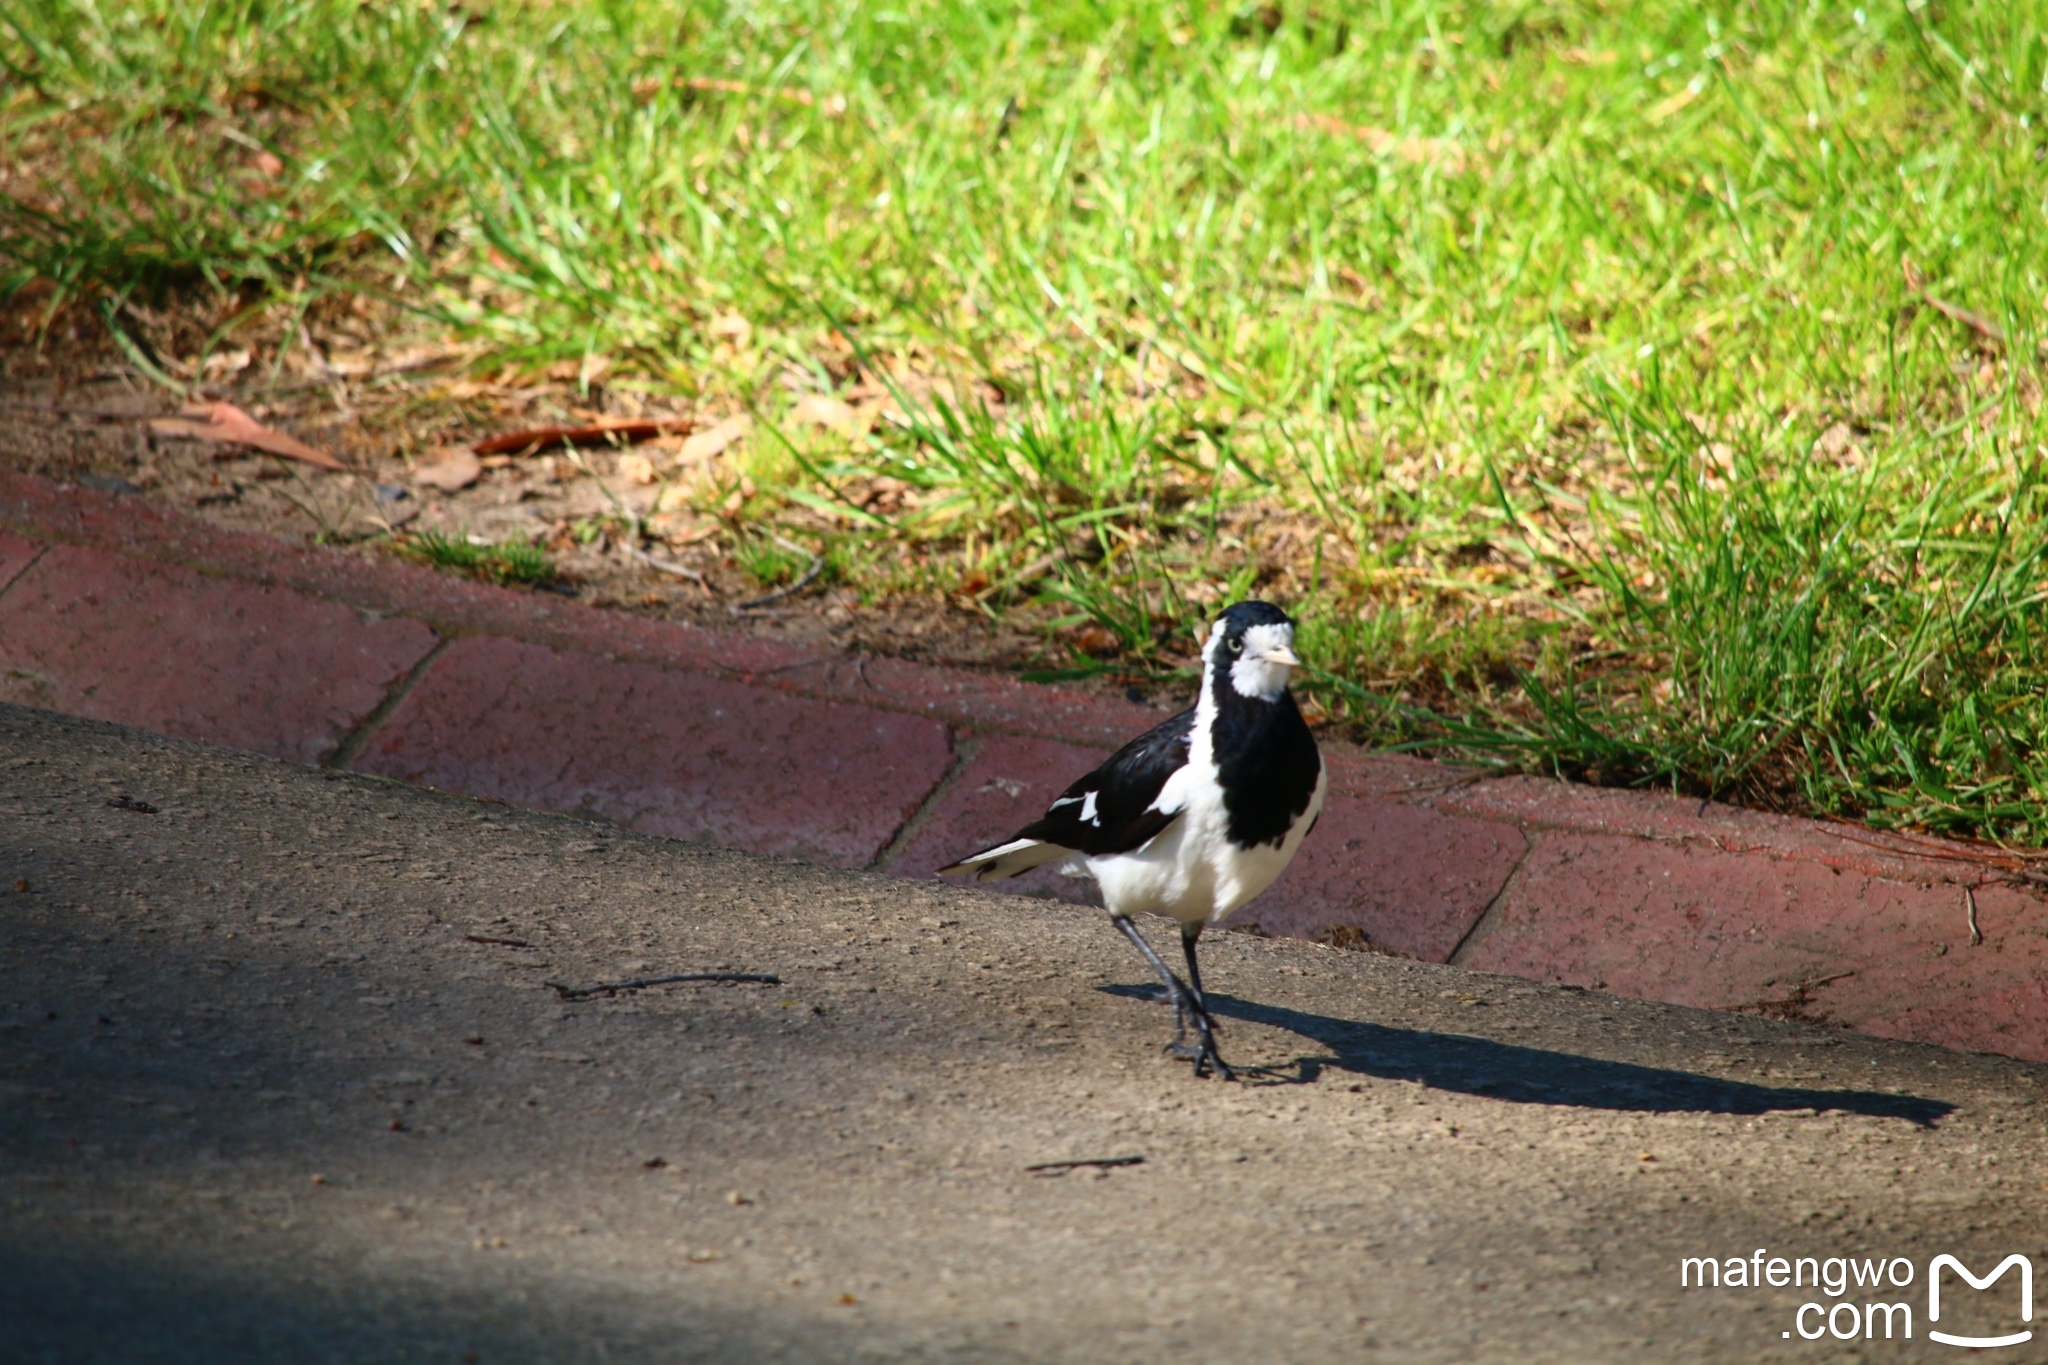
{"x":404,"y":418}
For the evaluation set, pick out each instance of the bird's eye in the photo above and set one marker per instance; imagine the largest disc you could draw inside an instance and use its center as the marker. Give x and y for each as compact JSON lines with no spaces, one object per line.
{"x":1237,"y":646}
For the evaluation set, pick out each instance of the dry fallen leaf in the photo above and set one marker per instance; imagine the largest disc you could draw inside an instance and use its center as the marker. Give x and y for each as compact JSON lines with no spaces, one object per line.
{"x":455,"y":469}
{"x":229,"y":425}
{"x":713,"y":441}
{"x":1447,"y":153}
{"x":823,"y":410}
{"x":596,"y":434}
{"x":637,"y":469}
{"x":732,"y":327}
{"x":352,"y":364}
{"x":225,"y":363}
{"x":1665,"y":108}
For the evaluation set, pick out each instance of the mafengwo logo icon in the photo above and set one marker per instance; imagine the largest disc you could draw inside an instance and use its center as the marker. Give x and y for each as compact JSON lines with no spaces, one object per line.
{"x":1870,"y":1298}
{"x":1947,"y":1262}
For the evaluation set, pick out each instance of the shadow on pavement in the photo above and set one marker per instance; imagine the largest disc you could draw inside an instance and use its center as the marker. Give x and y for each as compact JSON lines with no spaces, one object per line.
{"x":84,"y":1302}
{"x":1528,"y":1075}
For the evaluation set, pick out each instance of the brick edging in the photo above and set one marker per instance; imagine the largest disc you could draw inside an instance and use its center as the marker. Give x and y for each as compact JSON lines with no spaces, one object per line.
{"x":469,"y":686}
{"x":43,"y":510}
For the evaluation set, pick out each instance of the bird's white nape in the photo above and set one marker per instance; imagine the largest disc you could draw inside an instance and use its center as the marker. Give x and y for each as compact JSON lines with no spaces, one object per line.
{"x":1261,"y":669}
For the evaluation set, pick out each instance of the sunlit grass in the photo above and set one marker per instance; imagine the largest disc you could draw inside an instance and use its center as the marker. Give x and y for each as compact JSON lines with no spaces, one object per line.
{"x":1555,"y":362}
{"x":511,"y":561}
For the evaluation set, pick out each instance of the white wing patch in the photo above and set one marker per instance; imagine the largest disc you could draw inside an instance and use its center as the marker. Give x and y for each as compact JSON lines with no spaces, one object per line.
{"x":989,"y":855}
{"x":1006,"y":860}
{"x":1088,"y":810}
{"x":1173,"y":795}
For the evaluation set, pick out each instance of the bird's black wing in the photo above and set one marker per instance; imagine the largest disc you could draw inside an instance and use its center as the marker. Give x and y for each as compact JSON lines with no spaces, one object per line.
{"x":1110,"y":810}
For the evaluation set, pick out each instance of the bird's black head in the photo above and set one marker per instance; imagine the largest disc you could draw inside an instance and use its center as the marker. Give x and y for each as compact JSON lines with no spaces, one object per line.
{"x":1250,"y":650}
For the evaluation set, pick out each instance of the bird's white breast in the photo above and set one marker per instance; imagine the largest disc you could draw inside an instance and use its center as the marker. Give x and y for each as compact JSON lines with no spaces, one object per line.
{"x":1192,"y":872}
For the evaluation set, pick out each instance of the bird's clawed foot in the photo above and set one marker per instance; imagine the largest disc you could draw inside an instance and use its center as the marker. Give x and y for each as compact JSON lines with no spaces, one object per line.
{"x":1189,"y":1008}
{"x":1208,"y":1061}
{"x":1202,"y":1051}
{"x":1205,"y":1057}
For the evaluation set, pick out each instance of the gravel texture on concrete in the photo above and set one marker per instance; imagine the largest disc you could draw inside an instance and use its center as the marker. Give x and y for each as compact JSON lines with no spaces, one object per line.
{"x":282,"y":1077}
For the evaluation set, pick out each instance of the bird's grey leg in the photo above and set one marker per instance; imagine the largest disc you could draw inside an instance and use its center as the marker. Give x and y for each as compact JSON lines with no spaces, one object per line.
{"x":1185,"y":1005}
{"x":1205,"y":1024}
{"x":1175,"y":991}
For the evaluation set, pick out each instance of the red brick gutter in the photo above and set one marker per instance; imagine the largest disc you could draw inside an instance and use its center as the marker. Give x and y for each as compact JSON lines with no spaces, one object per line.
{"x":116,"y":609}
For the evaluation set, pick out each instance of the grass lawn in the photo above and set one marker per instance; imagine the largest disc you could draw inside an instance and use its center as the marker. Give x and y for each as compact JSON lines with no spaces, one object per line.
{"x":1649,"y":393}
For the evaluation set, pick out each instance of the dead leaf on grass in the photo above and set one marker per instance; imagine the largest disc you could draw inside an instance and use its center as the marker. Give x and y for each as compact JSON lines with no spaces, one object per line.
{"x":733,"y":328}
{"x":1665,"y":108}
{"x":823,"y":410}
{"x":455,"y":469}
{"x":596,"y":434}
{"x":1384,"y":143}
{"x":223,"y":363}
{"x":229,"y":425}
{"x":713,"y":441}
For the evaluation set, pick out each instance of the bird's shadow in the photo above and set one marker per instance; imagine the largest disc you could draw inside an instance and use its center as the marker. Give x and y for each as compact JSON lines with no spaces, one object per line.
{"x":1529,"y":1075}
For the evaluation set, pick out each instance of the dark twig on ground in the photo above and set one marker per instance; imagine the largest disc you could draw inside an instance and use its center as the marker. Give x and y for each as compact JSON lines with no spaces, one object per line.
{"x":612,"y":987}
{"x":668,"y":566}
{"x":810,"y":576}
{"x":596,"y":434}
{"x":1955,"y":312}
{"x":1796,"y":1004}
{"x":2014,"y":864}
{"x":1100,"y":1162}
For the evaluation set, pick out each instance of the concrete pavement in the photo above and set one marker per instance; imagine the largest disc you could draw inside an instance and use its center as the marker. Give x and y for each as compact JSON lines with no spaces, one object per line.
{"x":285,"y":1079}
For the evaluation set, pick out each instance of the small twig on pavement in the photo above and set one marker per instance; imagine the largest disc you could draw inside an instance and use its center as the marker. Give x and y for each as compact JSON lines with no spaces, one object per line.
{"x":2011,"y":863}
{"x":610,"y":987}
{"x":668,"y":566}
{"x":810,"y":576}
{"x":1794,"y":1004}
{"x":503,"y":942}
{"x":1101,"y":1162}
{"x":636,"y":529}
{"x":1824,"y":980}
{"x":1970,"y":900}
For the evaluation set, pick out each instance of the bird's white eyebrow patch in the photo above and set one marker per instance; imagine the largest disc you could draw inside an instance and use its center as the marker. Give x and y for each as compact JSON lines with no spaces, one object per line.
{"x":1252,"y":675}
{"x":1088,"y":810}
{"x":1259,"y":639}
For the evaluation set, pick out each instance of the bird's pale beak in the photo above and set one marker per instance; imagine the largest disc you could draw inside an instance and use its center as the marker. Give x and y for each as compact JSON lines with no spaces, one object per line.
{"x":1281,"y":654}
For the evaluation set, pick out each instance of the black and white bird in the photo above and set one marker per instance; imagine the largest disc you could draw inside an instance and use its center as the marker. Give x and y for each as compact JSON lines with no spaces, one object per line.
{"x":1194,"y":817}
